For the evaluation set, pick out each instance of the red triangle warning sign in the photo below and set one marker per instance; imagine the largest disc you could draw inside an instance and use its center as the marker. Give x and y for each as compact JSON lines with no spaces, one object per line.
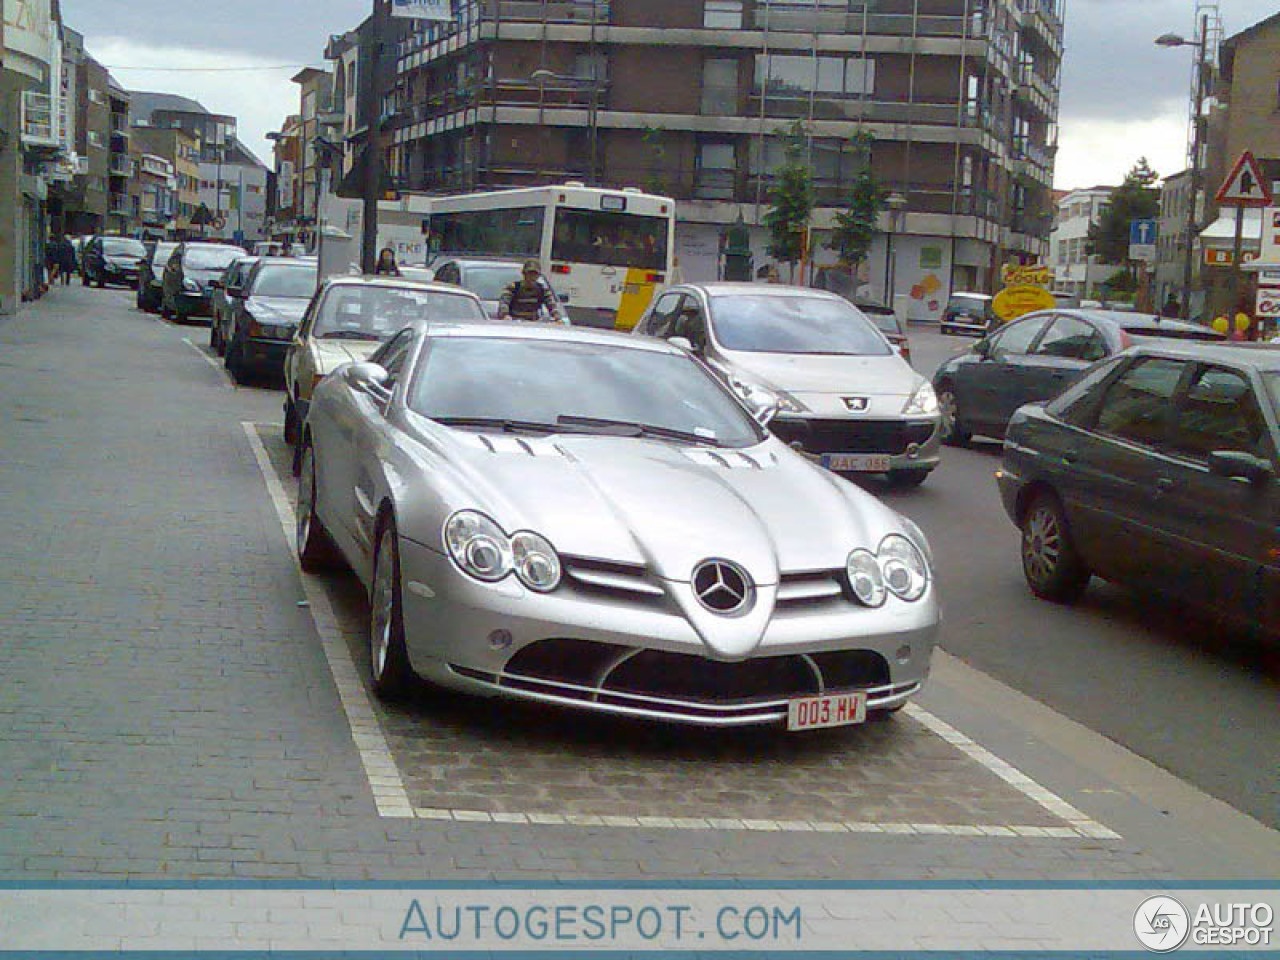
{"x":1245,"y":187}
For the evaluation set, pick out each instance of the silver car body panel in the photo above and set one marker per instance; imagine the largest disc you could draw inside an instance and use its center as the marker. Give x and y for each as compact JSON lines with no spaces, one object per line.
{"x":631,"y":518}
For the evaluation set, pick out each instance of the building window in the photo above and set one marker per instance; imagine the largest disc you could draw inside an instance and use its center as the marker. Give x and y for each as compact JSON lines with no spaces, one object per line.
{"x":720,"y":88}
{"x":796,"y":76}
{"x":722,"y":14}
{"x":95,"y":139}
{"x":97,"y":96}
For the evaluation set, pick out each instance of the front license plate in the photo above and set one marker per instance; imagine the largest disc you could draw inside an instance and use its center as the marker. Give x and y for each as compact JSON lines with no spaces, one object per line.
{"x":820,"y":713}
{"x":855,"y":463}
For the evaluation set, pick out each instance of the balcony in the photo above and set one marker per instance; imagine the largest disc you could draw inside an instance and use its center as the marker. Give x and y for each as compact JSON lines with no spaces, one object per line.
{"x":121,"y":204}
{"x":37,"y":121}
{"x":875,"y":24}
{"x":120,"y":165}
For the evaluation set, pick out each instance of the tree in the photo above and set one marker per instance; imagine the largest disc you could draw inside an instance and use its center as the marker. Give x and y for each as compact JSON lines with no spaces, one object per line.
{"x":655,"y":180}
{"x":203,"y":217}
{"x":857,"y":224}
{"x":793,"y":200}
{"x":1135,"y":199}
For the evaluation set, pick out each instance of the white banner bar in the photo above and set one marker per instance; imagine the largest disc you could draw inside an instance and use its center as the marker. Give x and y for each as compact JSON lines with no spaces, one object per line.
{"x":423,"y":9}
{"x":559,"y":920}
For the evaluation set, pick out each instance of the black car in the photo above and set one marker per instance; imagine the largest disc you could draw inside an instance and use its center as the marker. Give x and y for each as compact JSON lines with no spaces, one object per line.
{"x":111,"y":260}
{"x":1034,"y":359}
{"x":151,"y":276}
{"x":189,"y":276}
{"x":266,"y":313}
{"x":1158,"y":471}
{"x":969,"y":313}
{"x":223,"y":303}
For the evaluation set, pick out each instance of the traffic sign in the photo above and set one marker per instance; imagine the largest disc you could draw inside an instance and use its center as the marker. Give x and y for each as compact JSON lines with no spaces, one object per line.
{"x":1142,"y":240}
{"x":1245,"y":186}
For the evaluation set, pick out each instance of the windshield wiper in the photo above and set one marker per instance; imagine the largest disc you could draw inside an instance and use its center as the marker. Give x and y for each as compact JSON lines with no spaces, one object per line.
{"x":499,"y":423}
{"x":630,"y":428}
{"x":352,"y":335}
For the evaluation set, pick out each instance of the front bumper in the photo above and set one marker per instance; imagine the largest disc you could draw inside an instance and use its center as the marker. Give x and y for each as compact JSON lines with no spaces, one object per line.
{"x":125,"y":278}
{"x":616,"y":642}
{"x":193,"y":304}
{"x":977,"y":326}
{"x":267,"y":355}
{"x":908,"y":443}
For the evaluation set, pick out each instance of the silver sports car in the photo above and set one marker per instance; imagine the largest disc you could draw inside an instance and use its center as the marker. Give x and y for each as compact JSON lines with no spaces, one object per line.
{"x":594,"y":520}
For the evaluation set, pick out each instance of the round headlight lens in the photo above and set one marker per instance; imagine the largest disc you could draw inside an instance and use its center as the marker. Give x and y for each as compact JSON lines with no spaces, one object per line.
{"x":478,"y":546}
{"x":866,"y":578}
{"x":536,"y":562}
{"x":905,"y":572}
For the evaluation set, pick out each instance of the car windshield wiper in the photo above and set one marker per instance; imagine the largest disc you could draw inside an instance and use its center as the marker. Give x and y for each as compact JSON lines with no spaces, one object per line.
{"x":499,"y":423}
{"x":352,"y":335}
{"x":630,"y":428}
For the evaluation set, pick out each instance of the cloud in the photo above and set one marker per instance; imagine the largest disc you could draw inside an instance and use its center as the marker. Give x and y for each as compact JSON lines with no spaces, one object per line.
{"x":242,"y":85}
{"x":1101,"y":150}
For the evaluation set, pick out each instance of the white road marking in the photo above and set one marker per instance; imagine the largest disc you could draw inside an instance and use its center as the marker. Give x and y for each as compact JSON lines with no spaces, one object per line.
{"x":380,"y":768}
{"x":222,"y":371}
{"x":392,"y":798}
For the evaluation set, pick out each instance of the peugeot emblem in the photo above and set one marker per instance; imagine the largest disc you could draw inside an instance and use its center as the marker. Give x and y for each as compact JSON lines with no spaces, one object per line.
{"x":857,"y":404}
{"x":722,"y":587}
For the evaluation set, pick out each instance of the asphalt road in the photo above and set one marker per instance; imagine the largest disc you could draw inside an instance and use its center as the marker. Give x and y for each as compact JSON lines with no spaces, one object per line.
{"x":1199,"y":700}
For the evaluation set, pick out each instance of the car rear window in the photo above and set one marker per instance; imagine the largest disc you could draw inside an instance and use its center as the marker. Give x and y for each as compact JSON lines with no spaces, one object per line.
{"x":1164,"y":333}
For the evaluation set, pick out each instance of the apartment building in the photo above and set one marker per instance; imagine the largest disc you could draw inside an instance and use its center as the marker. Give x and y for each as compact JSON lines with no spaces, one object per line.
{"x":157,"y":186}
{"x":122,"y":195}
{"x":317,"y":122}
{"x":688,"y":97}
{"x":1171,"y":249}
{"x":180,"y":150}
{"x":1076,"y":273}
{"x":286,"y":160}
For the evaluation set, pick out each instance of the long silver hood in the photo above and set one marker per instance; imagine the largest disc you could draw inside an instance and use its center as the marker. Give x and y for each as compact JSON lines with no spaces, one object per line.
{"x":888,"y":376}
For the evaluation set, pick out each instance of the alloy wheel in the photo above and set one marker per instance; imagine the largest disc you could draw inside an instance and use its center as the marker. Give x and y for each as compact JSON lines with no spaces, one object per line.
{"x":383,"y":606}
{"x":1042,"y":543}
{"x":306,"y":498}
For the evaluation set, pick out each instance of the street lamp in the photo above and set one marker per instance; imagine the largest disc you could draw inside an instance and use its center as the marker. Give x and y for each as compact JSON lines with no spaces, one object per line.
{"x":1171,"y":41}
{"x":542,"y":75}
{"x":896,"y":203}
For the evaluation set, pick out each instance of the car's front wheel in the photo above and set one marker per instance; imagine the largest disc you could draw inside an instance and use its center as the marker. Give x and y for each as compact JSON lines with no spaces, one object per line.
{"x":388,"y":658}
{"x":316,"y":551}
{"x":215,"y":343}
{"x":290,"y":422}
{"x":1050,"y":562}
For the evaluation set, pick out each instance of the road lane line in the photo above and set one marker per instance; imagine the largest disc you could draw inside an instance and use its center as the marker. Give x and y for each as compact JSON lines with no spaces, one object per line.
{"x":222,"y":371}
{"x":380,"y":769}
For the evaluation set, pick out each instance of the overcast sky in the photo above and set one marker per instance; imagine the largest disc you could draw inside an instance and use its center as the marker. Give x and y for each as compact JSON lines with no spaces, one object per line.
{"x":1122,"y":96}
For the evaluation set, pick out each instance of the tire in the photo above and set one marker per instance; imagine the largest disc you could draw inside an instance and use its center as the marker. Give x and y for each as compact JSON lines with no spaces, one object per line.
{"x":1050,"y":562}
{"x":954,"y":433}
{"x":235,"y":362}
{"x":388,"y":659}
{"x":213,"y":338}
{"x":290,"y":423}
{"x":316,"y":551}
{"x":907,"y":479}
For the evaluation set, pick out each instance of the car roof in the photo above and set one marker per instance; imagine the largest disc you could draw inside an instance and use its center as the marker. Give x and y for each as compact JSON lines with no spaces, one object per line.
{"x":396,"y":283}
{"x":760,"y":290}
{"x":481,"y":261}
{"x":552,"y":332}
{"x":974,"y":296}
{"x":281,"y":261}
{"x":1146,"y":322}
{"x":1259,"y":356}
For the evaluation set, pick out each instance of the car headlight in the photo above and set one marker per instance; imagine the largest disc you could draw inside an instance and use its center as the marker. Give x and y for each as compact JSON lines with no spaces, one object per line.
{"x":535,"y":561}
{"x":924,"y":402}
{"x":866,"y":578}
{"x":478,"y":546}
{"x":276,"y":331}
{"x":897,"y":567}
{"x":906,"y":573}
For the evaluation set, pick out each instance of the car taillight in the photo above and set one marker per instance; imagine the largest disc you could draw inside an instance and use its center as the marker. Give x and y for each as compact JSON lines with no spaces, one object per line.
{"x":562,"y":268}
{"x":1126,"y":341}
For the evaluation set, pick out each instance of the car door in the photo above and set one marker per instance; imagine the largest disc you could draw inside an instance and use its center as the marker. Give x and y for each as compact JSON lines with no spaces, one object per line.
{"x":987,"y":392}
{"x":173,"y":274}
{"x":1115,"y":509}
{"x":1068,"y":346}
{"x":1220,"y":532}
{"x":661,"y":320}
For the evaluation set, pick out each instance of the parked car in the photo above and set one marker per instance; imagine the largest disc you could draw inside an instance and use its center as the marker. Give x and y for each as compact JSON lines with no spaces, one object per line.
{"x":612,"y":531}
{"x":845,"y":396}
{"x":1157,"y":471}
{"x":349,"y":319}
{"x":151,"y":276}
{"x":969,"y":313}
{"x":189,"y":276}
{"x":222,"y":302}
{"x":889,"y":323}
{"x":487,"y":279}
{"x":112,"y":260}
{"x":1033,"y":359}
{"x":266,"y":311}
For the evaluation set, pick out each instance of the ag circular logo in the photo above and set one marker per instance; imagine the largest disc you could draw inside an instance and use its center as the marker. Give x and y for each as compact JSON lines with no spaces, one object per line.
{"x":1161,"y":924}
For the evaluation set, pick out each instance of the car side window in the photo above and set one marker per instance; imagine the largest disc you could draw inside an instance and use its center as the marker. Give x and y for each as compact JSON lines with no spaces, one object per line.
{"x":1017,"y":337}
{"x":691,"y":323}
{"x":661,"y":320}
{"x":449,"y":273}
{"x":1072,"y":338}
{"x":393,"y":354}
{"x":1138,"y":403}
{"x":1218,"y":412}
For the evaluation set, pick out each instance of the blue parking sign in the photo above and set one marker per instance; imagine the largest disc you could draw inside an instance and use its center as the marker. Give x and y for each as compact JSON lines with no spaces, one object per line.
{"x":1143,"y":233}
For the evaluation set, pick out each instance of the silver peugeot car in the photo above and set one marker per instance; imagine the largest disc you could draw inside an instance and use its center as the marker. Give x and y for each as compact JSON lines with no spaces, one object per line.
{"x":846,"y":397}
{"x":591,"y":519}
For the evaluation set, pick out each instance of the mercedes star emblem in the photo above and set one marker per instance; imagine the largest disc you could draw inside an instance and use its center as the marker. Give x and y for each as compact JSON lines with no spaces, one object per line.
{"x":722,"y":587}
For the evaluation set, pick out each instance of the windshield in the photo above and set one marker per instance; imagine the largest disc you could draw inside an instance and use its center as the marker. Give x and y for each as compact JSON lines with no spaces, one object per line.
{"x":375,"y":313}
{"x":489,"y":283}
{"x":759,"y":323}
{"x":610,"y":239}
{"x":123,"y":247}
{"x":975,"y":304}
{"x":211,"y":258}
{"x":544,"y":381}
{"x":298,"y":283}
{"x":1273,"y":384}
{"x":885,"y":320}
{"x":163,"y":252}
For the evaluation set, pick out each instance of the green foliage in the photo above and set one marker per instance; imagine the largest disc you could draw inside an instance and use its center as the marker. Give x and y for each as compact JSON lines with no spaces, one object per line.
{"x":857,"y":224}
{"x":655,"y":180}
{"x":1121,"y":282}
{"x":792,"y":197}
{"x":1135,"y":199}
{"x":203,"y":216}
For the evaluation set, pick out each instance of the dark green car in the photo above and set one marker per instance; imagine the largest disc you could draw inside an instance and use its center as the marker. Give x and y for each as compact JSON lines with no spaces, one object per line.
{"x":1158,"y":471}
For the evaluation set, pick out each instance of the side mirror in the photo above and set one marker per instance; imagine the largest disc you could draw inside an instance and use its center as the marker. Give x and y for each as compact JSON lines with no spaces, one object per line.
{"x":983,"y":349}
{"x":369,"y":378}
{"x":763,"y":411}
{"x":1238,"y":465}
{"x":684,"y":343}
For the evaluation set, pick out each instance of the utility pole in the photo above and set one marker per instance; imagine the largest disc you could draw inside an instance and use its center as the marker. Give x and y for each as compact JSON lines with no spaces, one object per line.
{"x":1197,"y":174}
{"x":373,"y":148}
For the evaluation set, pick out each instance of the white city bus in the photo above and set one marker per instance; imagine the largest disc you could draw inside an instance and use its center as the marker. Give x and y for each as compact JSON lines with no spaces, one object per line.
{"x":605,"y":252}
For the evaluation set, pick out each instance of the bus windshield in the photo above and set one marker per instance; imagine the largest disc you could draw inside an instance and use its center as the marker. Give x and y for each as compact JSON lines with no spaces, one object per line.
{"x":610,"y":239}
